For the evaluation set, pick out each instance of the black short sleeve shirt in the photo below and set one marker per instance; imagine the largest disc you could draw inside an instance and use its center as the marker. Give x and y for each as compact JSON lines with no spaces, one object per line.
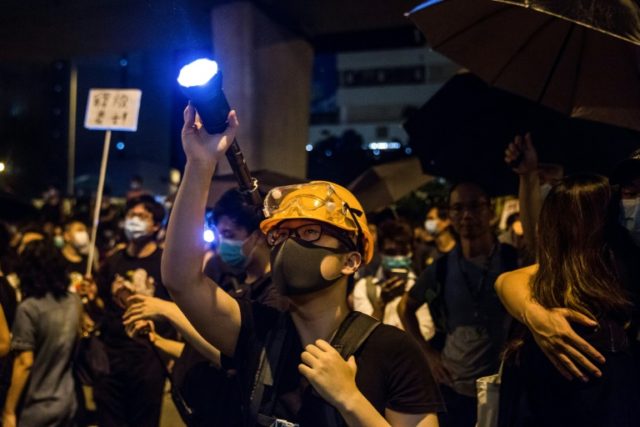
{"x":392,"y":372}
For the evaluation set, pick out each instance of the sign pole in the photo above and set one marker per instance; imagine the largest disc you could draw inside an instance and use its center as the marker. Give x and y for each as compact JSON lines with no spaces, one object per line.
{"x":96,"y":210}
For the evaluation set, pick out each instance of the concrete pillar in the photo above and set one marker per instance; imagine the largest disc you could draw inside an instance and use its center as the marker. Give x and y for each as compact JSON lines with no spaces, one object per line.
{"x":267,"y":79}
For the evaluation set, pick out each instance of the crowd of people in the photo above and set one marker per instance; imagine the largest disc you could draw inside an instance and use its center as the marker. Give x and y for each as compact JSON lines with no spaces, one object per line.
{"x":305,"y":313}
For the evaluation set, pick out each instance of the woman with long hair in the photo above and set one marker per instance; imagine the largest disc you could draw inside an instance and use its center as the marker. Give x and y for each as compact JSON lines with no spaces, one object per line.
{"x":581,"y":270}
{"x":45,"y":331}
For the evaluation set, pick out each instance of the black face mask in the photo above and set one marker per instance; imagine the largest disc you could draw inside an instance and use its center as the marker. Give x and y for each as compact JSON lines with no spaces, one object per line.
{"x":295,"y":267}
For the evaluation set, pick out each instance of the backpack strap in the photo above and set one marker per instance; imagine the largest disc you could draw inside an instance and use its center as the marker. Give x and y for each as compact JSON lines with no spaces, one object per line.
{"x":352,"y":333}
{"x":267,"y":373}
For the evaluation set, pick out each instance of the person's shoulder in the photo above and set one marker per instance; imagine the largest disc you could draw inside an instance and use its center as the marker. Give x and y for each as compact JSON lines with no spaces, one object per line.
{"x":517,"y":276}
{"x":387,"y":339}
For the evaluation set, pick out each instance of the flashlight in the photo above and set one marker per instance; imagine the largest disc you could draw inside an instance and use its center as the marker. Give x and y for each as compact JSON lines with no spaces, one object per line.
{"x":201,"y":82}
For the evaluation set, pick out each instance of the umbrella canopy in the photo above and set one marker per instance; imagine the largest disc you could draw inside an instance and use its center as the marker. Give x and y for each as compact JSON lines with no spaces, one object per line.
{"x":266,"y":181}
{"x":462,"y":131}
{"x":382,"y":185}
{"x":579,"y":57}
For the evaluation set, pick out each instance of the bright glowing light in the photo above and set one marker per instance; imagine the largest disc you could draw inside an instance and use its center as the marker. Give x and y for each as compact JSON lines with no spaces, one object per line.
{"x":197,"y":73}
{"x":120,"y":146}
{"x":2,"y":167}
{"x":384,"y":145}
{"x":208,"y":236}
{"x":309,"y":147}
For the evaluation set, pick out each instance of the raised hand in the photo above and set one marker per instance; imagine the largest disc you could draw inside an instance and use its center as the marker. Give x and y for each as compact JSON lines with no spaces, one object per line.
{"x":200,"y":146}
{"x":521,"y":155}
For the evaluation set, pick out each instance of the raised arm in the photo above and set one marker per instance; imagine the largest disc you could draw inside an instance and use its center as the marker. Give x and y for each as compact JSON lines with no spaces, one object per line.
{"x":550,"y":327}
{"x":214,"y":314}
{"x":522,"y":149}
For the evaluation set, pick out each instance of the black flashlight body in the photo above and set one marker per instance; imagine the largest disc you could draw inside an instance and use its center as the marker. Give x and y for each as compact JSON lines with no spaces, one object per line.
{"x":211,"y":104}
{"x":213,"y":108}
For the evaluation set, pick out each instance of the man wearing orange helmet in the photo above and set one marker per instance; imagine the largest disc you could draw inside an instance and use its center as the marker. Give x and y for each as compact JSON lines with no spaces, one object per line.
{"x":292,"y":375}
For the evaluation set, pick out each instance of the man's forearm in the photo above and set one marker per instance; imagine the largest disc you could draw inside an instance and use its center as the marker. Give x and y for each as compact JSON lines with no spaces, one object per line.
{"x":407,"y":309}
{"x":169,"y":347}
{"x":182,"y":257}
{"x":530,"y":204}
{"x":191,"y":335}
{"x":5,"y":337}
{"x":19,"y":377}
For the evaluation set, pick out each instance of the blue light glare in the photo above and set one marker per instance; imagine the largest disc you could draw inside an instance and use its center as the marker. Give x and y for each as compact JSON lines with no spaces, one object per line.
{"x":209,"y":236}
{"x":120,"y":146}
{"x":309,"y":147}
{"x":197,"y":73}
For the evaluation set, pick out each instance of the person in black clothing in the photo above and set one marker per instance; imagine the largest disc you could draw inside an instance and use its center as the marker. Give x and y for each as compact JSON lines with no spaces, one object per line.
{"x":131,"y":394}
{"x":587,"y":273}
{"x":319,"y":238}
{"x":471,"y":324}
{"x":210,"y":391}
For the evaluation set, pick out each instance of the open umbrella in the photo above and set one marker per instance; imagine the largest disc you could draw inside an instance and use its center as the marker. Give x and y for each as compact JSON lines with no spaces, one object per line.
{"x":382,"y":185}
{"x":462,"y":131}
{"x":579,"y":57}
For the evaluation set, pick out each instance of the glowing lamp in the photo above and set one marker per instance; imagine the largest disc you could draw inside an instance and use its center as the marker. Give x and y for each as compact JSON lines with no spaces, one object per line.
{"x":201,"y":82}
{"x":209,"y":236}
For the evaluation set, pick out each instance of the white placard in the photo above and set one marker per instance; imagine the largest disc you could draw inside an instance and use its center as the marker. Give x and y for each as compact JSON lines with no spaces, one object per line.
{"x":113,"y":109}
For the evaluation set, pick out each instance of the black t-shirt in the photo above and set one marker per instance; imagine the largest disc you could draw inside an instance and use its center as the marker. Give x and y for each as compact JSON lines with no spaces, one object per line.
{"x":212,"y":393}
{"x":132,"y":269}
{"x":392,"y":372}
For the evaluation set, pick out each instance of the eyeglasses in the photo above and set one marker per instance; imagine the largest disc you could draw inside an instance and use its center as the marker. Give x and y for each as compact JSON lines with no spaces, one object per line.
{"x":309,"y":233}
{"x":473,"y":208}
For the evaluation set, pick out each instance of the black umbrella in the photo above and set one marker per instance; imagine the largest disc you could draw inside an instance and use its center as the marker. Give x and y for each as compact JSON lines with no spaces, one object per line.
{"x":462,"y":131}
{"x":579,"y":57}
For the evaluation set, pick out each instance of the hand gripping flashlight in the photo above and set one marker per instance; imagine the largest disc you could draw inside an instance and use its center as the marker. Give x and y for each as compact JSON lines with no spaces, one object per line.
{"x":201,"y":82}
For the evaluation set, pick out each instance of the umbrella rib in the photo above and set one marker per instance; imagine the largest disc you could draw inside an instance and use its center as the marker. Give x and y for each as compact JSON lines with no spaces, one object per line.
{"x":574,"y":89}
{"x":556,"y":62}
{"x":463,"y":30}
{"x":522,"y":47}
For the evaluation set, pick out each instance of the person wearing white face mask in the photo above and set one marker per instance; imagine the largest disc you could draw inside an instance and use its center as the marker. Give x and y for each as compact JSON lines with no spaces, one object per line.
{"x":131,"y":394}
{"x":379,"y":294}
{"x":438,"y":226}
{"x":75,"y":250}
